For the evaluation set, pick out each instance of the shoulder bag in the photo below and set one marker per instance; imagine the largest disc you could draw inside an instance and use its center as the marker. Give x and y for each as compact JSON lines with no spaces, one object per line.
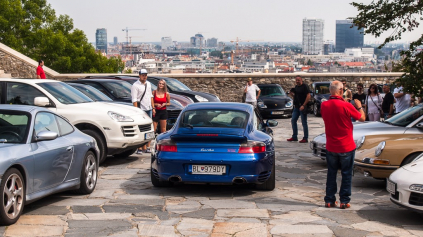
{"x":145,"y":90}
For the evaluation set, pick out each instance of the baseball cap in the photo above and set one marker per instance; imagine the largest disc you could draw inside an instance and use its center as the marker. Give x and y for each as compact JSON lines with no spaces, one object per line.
{"x":143,"y":71}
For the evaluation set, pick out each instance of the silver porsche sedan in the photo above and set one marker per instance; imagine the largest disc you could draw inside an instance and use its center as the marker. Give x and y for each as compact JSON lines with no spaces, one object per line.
{"x":409,"y":121}
{"x":41,"y":153}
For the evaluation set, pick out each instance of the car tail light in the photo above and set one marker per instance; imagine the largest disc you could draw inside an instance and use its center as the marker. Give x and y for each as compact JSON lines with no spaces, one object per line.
{"x":252,"y":147}
{"x":167,"y":146}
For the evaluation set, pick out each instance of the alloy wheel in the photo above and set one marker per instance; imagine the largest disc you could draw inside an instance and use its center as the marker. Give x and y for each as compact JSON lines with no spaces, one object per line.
{"x":90,"y":172}
{"x":13,"y":196}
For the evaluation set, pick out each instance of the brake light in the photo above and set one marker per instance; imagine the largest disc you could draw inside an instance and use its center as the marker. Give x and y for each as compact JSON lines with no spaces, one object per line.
{"x":167,"y":146}
{"x":252,"y":147}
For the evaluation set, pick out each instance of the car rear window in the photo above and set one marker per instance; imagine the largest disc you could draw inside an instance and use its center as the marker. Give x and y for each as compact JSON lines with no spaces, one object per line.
{"x":215,"y":118}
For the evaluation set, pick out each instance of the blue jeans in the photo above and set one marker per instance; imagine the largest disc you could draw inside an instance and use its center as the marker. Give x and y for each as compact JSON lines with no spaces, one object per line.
{"x":295,"y":115}
{"x":345,"y":161}
{"x":149,"y":113}
{"x":385,"y":115}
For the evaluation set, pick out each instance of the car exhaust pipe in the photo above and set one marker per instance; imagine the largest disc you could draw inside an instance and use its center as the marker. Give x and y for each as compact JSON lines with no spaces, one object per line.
{"x":239,"y":180}
{"x":175,"y":179}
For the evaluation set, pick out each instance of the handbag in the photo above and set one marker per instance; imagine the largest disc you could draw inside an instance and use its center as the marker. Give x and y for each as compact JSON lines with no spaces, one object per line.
{"x":145,"y":89}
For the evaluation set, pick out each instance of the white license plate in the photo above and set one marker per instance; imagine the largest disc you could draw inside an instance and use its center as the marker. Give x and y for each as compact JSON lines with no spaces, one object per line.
{"x":277,"y":112}
{"x":391,"y":187}
{"x":209,"y":169}
{"x":149,"y":135}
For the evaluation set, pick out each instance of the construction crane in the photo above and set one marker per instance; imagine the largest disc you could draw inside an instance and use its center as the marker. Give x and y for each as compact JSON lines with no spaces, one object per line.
{"x":126,"y":29}
{"x":239,"y":40}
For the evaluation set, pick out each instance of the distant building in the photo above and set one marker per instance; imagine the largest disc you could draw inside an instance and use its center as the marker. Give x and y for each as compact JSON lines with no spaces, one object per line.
{"x":212,"y":42}
{"x":199,"y":40}
{"x":101,"y":39}
{"x":167,"y":42}
{"x":192,"y":42}
{"x":115,"y":40}
{"x":313,"y":36}
{"x":328,"y":47}
{"x":347,"y":36}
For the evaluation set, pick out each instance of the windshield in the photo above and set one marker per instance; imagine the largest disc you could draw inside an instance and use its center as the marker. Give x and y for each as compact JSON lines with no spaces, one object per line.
{"x":322,"y":89}
{"x":176,"y":85}
{"x":120,"y":89}
{"x":65,"y":93}
{"x":271,"y":91}
{"x":14,"y":126}
{"x":215,"y":118}
{"x":91,"y":92}
{"x":406,"y":117}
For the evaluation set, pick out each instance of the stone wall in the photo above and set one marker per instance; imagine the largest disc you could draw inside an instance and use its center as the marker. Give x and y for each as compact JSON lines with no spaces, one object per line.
{"x":229,"y":86}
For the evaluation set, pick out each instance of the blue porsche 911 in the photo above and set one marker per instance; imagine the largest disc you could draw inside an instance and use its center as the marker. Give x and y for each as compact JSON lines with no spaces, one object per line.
{"x":222,"y":143}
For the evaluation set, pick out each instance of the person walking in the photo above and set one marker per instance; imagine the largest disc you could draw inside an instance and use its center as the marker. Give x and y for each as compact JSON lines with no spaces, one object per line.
{"x":143,"y":98}
{"x":161,"y":100}
{"x":340,"y":145}
{"x":373,"y":103}
{"x":388,"y":102}
{"x":347,"y":92}
{"x":40,"y":71}
{"x":402,"y":99}
{"x":301,"y":98}
{"x":250,"y":93}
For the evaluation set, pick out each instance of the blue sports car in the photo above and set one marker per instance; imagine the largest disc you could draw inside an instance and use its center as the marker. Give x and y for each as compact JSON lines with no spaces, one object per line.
{"x":216,"y":143}
{"x":41,"y":153}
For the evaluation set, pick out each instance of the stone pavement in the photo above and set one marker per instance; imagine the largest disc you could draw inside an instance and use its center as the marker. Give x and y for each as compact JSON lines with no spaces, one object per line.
{"x":126,"y":204}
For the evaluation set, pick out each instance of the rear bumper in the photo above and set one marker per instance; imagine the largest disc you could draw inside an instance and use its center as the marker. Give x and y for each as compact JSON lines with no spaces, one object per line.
{"x":274,"y":112}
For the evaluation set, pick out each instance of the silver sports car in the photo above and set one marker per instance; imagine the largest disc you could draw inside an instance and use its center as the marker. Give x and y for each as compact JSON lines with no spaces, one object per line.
{"x":409,"y":121}
{"x":41,"y":153}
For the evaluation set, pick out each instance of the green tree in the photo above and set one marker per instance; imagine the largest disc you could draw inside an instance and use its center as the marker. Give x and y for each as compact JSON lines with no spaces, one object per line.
{"x":398,"y":17}
{"x":32,"y":28}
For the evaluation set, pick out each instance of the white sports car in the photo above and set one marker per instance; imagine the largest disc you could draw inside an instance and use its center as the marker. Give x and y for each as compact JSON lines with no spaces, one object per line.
{"x":406,"y":186}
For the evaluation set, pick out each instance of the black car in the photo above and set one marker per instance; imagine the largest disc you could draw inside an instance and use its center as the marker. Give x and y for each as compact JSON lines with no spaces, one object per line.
{"x":119,"y":90}
{"x":273,"y":101}
{"x":319,"y":92}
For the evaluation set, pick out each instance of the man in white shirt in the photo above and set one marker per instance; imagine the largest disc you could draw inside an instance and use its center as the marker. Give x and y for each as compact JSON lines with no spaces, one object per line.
{"x":250,"y":91}
{"x":402,"y":99}
{"x":142,"y":98}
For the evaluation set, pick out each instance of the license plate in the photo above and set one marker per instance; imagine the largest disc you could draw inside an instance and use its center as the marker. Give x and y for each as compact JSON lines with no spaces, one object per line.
{"x":277,"y":112}
{"x":391,"y":187}
{"x":149,"y":135}
{"x":209,"y":169}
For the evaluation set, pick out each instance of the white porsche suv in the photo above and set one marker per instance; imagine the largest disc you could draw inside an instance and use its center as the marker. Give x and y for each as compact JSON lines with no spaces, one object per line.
{"x":118,"y":129}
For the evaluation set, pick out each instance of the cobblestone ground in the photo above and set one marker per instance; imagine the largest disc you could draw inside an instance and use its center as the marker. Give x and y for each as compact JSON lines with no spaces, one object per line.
{"x":125,"y":204}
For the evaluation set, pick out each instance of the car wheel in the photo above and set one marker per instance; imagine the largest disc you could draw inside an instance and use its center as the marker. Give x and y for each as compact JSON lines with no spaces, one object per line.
{"x":270,"y":183}
{"x":125,"y":153}
{"x":316,"y":111}
{"x":13,"y":198}
{"x":410,"y":159}
{"x":88,"y":174}
{"x":157,"y":182}
{"x":100,"y":143}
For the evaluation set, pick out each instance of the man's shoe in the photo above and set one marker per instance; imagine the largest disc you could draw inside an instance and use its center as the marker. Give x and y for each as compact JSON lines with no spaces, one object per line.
{"x":139,"y":152}
{"x":148,"y":150}
{"x":303,"y":141}
{"x":344,"y":205}
{"x":329,"y":205}
{"x":292,"y":140}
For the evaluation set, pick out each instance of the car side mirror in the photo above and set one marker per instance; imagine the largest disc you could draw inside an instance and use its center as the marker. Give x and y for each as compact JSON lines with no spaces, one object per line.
{"x":272,"y":123}
{"x":46,"y":136}
{"x":41,"y":101}
{"x":419,"y":125}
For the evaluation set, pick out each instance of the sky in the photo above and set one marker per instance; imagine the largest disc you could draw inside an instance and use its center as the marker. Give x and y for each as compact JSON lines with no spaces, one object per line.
{"x":261,"y":20}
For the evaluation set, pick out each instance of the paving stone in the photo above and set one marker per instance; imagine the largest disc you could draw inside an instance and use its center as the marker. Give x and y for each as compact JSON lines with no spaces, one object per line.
{"x":34,"y":230}
{"x":99,"y":216}
{"x":102,"y":193}
{"x":86,"y":209}
{"x":300,"y":229}
{"x":240,"y":229}
{"x":195,"y":227}
{"x":348,"y":232}
{"x":128,"y":233}
{"x":229,"y":204}
{"x":184,"y":207}
{"x":294,"y":217}
{"x":156,"y":230}
{"x":80,"y":202}
{"x":345,"y":217}
{"x":171,"y":221}
{"x":416,"y":230}
{"x":384,"y":229}
{"x":258,"y":213}
{"x":207,"y":214}
{"x":96,"y":227}
{"x":138,"y":210}
{"x":392,"y":217}
{"x":47,"y":220}
{"x":45,"y":210}
{"x":2,"y":230}
{"x":148,"y":202}
{"x":245,"y":220}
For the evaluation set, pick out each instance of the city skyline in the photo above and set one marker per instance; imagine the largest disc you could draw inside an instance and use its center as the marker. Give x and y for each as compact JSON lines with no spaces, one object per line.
{"x":267,"y":20}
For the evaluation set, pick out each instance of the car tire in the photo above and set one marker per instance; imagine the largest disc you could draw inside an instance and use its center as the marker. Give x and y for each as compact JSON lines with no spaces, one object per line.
{"x":157,"y":182}
{"x":125,"y":153}
{"x":316,"y":111}
{"x":100,"y":143}
{"x":270,"y":183}
{"x":410,"y":158}
{"x":12,"y":180}
{"x":89,"y":174}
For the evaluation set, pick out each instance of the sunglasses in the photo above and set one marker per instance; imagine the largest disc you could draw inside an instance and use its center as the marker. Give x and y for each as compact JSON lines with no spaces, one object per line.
{"x":359,"y":88}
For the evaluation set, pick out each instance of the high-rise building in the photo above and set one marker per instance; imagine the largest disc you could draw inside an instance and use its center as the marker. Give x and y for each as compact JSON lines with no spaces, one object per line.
{"x":212,"y":42}
{"x":348,"y":36}
{"x":313,"y":36}
{"x":199,"y":40}
{"x":192,"y":41}
{"x":328,"y":47}
{"x":101,"y":39}
{"x":167,"y":42}
{"x":115,"y":40}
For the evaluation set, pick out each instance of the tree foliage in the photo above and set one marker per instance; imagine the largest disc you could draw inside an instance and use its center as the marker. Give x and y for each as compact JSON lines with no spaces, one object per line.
{"x":398,"y":17}
{"x":32,"y":28}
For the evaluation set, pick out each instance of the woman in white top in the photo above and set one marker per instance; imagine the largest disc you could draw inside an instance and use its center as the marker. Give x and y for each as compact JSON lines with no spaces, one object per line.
{"x":373,"y":103}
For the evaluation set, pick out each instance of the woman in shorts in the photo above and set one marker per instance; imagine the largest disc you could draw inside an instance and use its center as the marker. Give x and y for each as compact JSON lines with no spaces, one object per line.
{"x":161,"y":100}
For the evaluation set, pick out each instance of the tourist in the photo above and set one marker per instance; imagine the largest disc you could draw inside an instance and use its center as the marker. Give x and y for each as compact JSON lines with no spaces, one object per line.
{"x":360,"y":96}
{"x":143,"y":99}
{"x":161,"y":100}
{"x":347,"y":95}
{"x":301,"y":98}
{"x":402,"y":99}
{"x":373,"y":103}
{"x":40,"y":70}
{"x":250,"y":93}
{"x":340,"y":145}
{"x":388,"y":102}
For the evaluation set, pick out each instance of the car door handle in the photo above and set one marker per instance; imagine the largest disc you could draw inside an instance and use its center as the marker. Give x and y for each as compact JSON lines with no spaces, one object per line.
{"x":70,"y":148}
